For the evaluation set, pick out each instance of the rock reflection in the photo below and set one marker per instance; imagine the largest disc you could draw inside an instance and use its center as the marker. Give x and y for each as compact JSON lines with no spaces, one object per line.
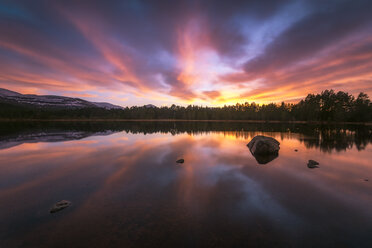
{"x":265,"y":158}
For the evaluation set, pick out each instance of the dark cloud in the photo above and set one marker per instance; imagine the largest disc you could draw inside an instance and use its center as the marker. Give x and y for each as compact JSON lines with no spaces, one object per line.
{"x":330,"y":23}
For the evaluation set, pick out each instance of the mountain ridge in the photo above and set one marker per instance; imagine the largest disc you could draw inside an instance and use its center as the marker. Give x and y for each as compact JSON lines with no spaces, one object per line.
{"x":51,"y":101}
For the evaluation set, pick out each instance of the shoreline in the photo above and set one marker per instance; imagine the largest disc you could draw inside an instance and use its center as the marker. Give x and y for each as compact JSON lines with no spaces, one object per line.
{"x":181,"y":120}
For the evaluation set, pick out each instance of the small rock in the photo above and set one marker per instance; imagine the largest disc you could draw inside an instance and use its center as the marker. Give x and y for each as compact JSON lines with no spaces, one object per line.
{"x":60,"y":205}
{"x":180,"y":161}
{"x":296,"y":150}
{"x":312,"y":164}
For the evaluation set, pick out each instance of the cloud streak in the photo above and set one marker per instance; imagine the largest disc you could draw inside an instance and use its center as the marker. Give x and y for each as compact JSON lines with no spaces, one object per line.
{"x":200,"y":52}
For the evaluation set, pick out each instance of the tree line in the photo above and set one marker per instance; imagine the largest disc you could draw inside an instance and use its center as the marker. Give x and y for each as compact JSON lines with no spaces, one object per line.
{"x":326,"y":106}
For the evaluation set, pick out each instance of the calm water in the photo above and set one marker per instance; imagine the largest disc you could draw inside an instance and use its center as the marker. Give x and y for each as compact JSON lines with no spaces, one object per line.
{"x":127,"y":191}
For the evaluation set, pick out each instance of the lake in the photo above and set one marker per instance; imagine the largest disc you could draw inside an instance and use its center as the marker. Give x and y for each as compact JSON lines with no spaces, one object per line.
{"x":127,"y":190}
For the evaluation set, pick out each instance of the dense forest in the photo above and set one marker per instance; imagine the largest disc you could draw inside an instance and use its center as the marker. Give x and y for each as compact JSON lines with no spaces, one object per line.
{"x":326,"y":106}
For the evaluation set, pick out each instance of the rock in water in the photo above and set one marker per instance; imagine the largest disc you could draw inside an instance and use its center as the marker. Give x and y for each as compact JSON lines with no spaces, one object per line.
{"x":312,"y":164}
{"x":263,"y":145}
{"x":180,"y":161}
{"x":59,"y":206}
{"x":264,"y":149}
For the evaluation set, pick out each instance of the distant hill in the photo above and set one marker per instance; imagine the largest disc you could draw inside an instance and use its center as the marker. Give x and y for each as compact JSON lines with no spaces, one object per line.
{"x":149,"y":106}
{"x":50,"y":101}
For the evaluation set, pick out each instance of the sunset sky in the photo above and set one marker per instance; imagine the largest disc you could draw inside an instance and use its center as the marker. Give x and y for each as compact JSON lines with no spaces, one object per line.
{"x":186,"y":52}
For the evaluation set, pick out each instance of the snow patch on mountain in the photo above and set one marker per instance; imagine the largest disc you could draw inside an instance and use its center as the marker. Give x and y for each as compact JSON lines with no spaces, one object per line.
{"x":107,"y":105}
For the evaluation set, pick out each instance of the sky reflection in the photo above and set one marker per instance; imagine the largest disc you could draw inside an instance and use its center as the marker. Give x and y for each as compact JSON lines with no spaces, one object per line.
{"x":127,"y":189}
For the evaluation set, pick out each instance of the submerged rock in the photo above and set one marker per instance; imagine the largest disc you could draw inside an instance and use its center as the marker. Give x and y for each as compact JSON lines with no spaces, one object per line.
{"x":60,"y":205}
{"x":312,"y":164}
{"x":180,"y":161}
{"x":264,"y":149}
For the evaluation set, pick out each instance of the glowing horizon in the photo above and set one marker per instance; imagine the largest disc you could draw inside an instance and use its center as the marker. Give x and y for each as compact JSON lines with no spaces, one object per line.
{"x":203,"y":52}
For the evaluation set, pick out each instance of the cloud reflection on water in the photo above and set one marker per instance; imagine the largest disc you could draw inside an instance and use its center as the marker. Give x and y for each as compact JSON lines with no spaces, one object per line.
{"x":127,"y":189}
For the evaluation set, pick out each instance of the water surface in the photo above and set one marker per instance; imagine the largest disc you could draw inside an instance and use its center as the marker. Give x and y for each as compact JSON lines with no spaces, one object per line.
{"x":127,"y":191}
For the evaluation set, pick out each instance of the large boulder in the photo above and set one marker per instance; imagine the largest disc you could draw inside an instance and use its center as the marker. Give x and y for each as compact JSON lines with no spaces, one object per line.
{"x":264,"y":149}
{"x":261,"y":145}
